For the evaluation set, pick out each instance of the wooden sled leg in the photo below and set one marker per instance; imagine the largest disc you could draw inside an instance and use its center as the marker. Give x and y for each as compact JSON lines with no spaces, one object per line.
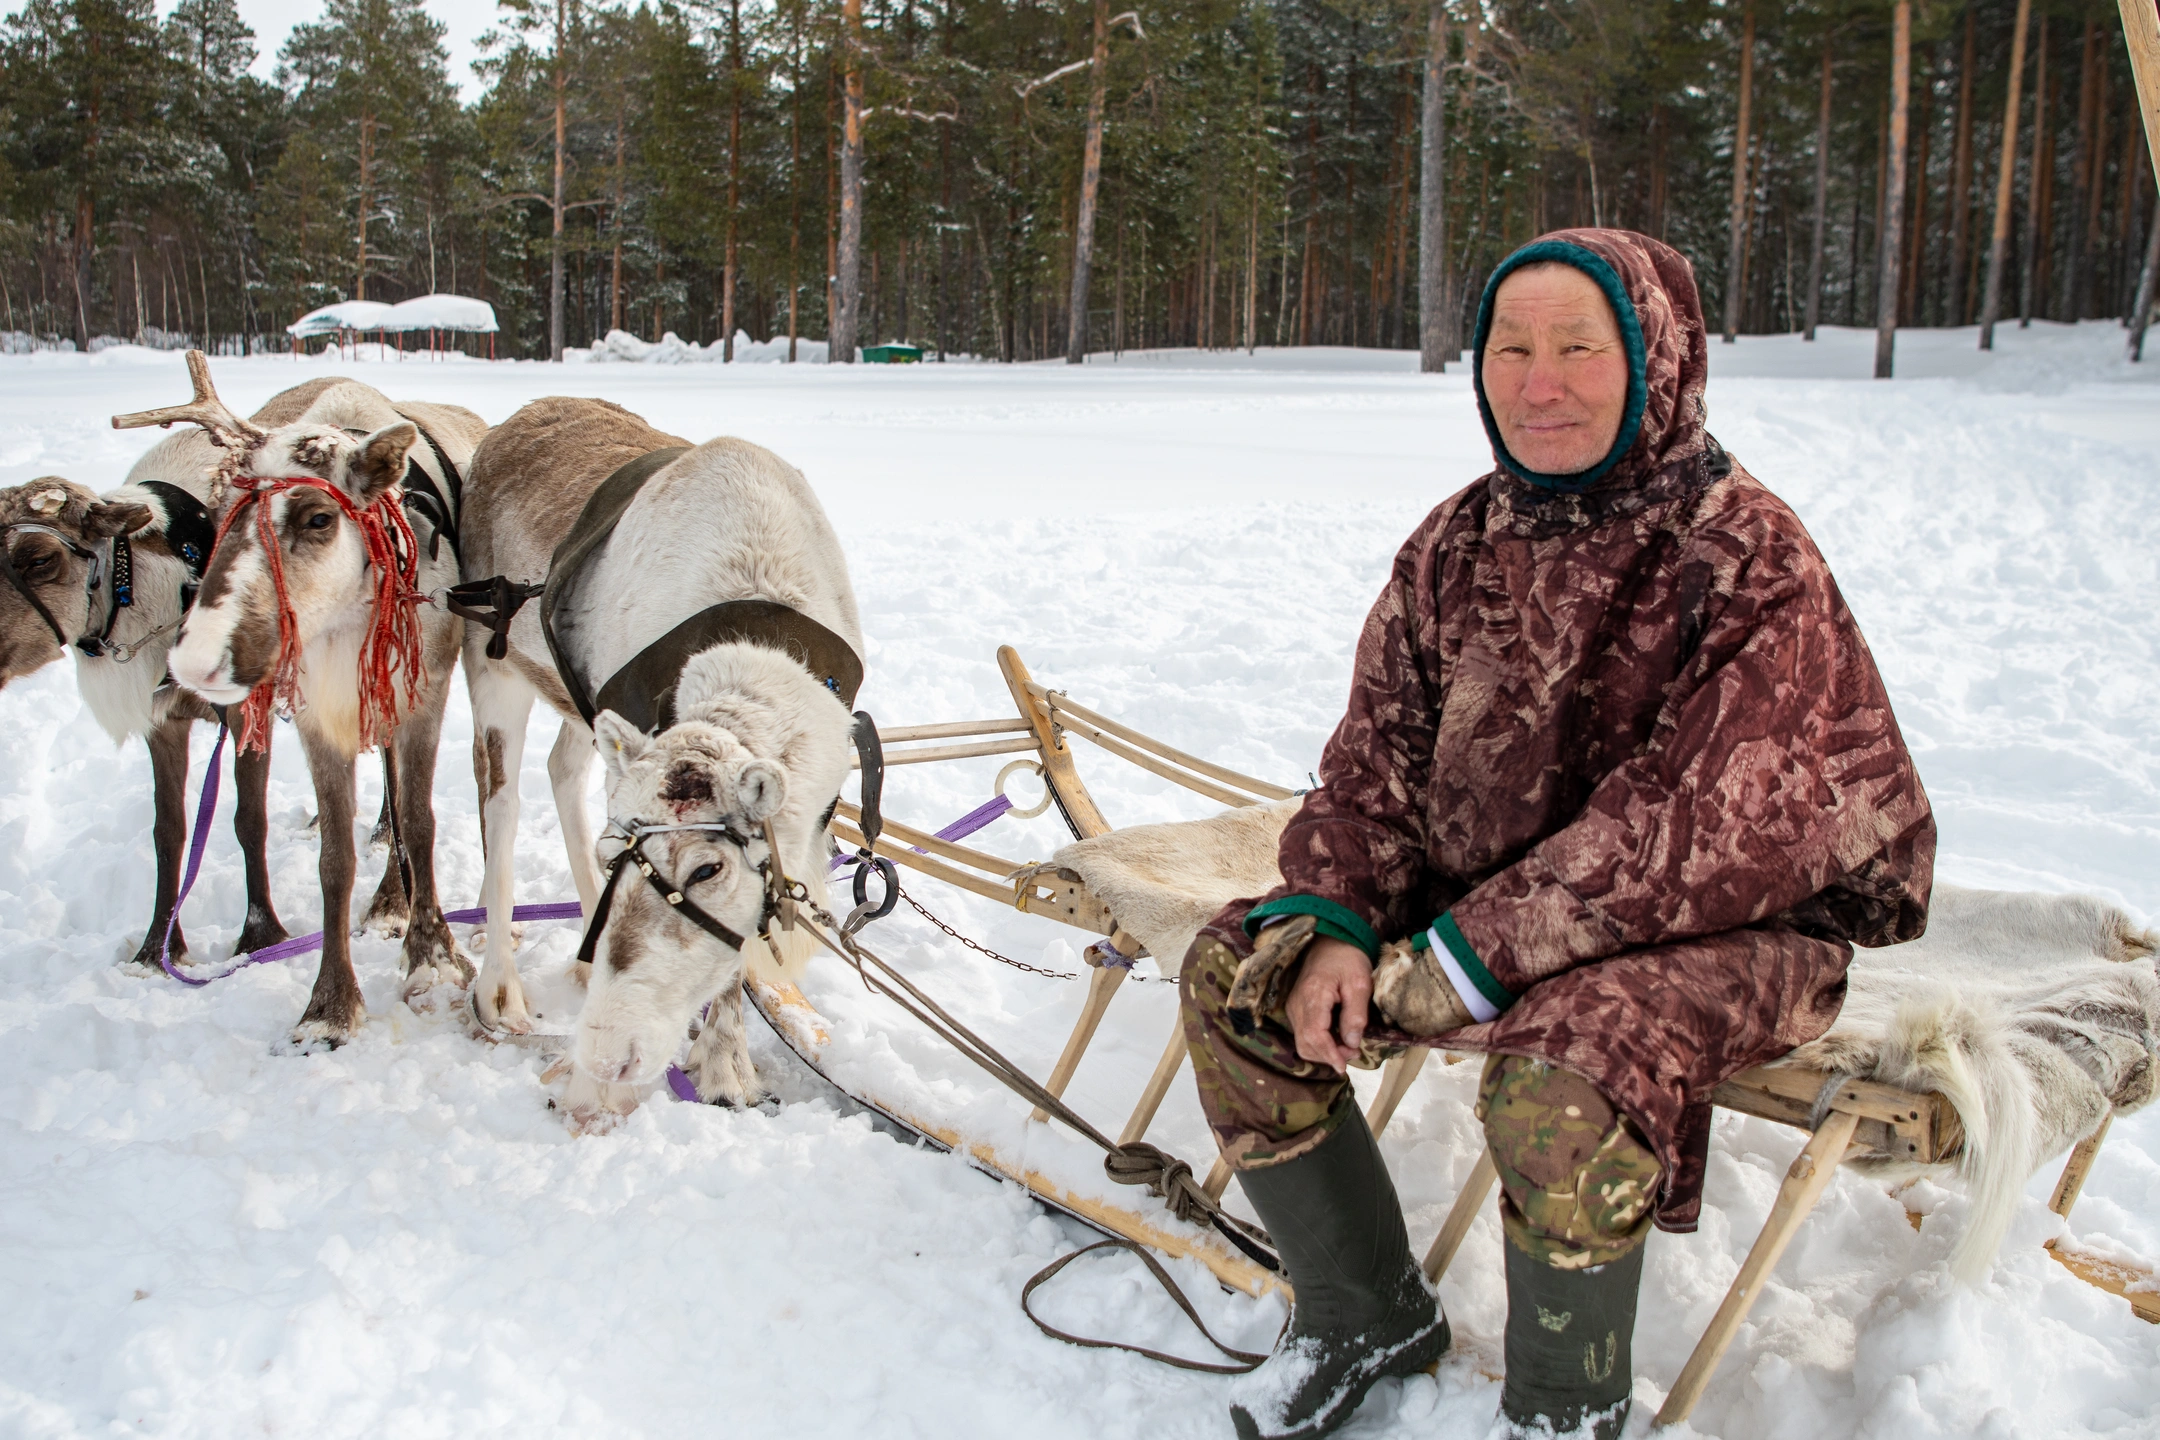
{"x":2079,"y":1165}
{"x":1396,"y":1078}
{"x":1158,"y":1085}
{"x":1805,"y":1181}
{"x":1468,"y":1200}
{"x":1103,"y":982}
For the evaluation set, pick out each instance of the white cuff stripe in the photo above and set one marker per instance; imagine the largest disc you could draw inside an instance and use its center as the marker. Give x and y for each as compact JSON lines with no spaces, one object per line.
{"x":1473,"y":999}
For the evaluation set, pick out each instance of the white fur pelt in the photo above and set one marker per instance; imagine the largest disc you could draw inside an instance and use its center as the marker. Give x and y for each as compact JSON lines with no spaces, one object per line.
{"x":2033,"y":1015}
{"x":1163,"y":882}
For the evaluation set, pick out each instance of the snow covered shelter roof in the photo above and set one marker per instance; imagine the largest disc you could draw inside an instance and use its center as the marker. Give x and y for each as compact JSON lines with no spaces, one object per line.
{"x":441,"y":312}
{"x":424,"y":312}
{"x":345,"y":315}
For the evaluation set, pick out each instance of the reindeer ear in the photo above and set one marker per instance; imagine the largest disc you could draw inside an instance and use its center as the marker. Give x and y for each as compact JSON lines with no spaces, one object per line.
{"x":761,"y":789}
{"x":106,"y":519}
{"x":382,"y":460}
{"x":621,"y":743}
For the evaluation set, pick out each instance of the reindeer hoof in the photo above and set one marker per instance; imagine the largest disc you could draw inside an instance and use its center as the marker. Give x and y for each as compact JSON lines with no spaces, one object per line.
{"x":312,"y":1036}
{"x":724,"y":1077}
{"x":261,"y":932}
{"x":593,"y":1108}
{"x":498,"y":1001}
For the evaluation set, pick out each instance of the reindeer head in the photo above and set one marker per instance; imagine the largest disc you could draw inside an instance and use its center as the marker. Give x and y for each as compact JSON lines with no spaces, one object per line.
{"x":54,"y":533}
{"x":230,"y":643}
{"x":657,"y":968}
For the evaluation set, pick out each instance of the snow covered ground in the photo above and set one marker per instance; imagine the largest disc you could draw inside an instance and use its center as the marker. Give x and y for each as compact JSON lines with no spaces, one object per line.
{"x":203,"y":1237}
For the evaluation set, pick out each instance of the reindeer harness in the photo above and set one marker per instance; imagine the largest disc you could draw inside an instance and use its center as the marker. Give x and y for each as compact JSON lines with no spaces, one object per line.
{"x":187,"y":530}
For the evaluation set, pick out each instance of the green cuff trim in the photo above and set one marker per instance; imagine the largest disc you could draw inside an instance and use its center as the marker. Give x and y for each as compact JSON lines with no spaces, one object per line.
{"x":1496,"y":994}
{"x":1338,"y":922}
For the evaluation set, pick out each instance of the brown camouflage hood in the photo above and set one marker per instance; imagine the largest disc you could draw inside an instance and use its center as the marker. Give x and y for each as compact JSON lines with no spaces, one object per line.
{"x":1625,"y":754}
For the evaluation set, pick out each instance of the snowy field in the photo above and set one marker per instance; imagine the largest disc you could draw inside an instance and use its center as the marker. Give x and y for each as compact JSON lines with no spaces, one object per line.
{"x":203,"y":1237}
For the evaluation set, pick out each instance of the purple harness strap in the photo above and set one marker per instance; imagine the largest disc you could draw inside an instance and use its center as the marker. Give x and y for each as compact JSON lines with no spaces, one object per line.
{"x":982,"y":815}
{"x":678,"y":1081}
{"x":298,"y":944}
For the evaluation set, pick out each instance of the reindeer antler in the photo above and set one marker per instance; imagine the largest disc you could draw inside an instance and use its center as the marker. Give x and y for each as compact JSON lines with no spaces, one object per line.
{"x":205,"y":410}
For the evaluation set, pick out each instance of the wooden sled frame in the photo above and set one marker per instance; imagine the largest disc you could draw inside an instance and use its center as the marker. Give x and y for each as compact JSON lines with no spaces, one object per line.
{"x":1860,"y":1118}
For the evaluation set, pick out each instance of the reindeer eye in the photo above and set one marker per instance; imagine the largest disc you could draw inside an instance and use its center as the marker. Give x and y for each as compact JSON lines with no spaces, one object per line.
{"x":320,"y":520}
{"x":703,"y":873}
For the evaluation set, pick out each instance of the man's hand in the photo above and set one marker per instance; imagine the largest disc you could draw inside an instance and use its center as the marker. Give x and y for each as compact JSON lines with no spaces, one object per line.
{"x":1335,"y":977}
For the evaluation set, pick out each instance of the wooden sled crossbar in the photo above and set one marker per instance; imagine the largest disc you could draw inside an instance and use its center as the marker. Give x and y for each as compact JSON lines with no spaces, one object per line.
{"x":1860,"y":1119}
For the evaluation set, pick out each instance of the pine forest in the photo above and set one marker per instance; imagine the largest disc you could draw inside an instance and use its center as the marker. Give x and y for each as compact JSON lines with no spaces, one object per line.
{"x":1023,"y":179}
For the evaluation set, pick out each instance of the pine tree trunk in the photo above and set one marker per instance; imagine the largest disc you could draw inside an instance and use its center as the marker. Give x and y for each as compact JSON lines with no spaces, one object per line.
{"x":2070,"y":300}
{"x":1433,"y":329}
{"x":2036,"y":186}
{"x":1737,"y":244}
{"x":1920,"y":127}
{"x":2141,"y":306}
{"x":1090,"y":181}
{"x":2005,"y":177}
{"x":1886,"y":291}
{"x":615,"y":291}
{"x":849,"y":280}
{"x":555,"y":246}
{"x":1822,"y":197}
{"x":1957,"y":303}
{"x":734,"y":181}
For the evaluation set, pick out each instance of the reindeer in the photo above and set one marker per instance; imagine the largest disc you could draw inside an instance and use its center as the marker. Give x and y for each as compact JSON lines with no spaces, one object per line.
{"x":316,"y":601}
{"x":752,"y":755}
{"x":66,"y":546}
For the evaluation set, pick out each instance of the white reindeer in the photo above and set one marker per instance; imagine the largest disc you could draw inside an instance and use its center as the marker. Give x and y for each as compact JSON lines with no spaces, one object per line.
{"x":297,"y":589}
{"x":757,"y":737}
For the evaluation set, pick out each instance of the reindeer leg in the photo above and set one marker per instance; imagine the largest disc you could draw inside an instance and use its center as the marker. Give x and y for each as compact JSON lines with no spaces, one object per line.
{"x":251,"y":825}
{"x":569,"y":762}
{"x":168,"y":743}
{"x":719,"y":1061}
{"x":391,"y":909}
{"x":502,"y":705}
{"x":335,"y":1011}
{"x":431,"y":953}
{"x":385,"y":831}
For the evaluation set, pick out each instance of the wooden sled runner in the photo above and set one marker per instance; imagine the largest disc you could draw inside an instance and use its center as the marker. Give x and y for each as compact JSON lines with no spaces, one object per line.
{"x":1858,"y":1118}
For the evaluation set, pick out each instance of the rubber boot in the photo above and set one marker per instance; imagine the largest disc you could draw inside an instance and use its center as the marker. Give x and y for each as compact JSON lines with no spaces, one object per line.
{"x":1362,"y":1311}
{"x":1570,"y":1352}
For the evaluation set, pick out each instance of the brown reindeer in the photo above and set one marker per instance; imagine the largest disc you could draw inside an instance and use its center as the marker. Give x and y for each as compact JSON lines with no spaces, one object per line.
{"x":58,"y":538}
{"x":317,"y":602}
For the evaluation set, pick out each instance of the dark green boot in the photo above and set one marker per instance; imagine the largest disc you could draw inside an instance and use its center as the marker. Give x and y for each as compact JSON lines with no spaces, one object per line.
{"x":1570,"y":1353}
{"x":1362,"y":1312}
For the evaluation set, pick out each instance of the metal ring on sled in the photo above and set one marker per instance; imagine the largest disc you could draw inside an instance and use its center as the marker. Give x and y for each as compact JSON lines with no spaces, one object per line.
{"x":887,"y":872}
{"x":1041,"y":805}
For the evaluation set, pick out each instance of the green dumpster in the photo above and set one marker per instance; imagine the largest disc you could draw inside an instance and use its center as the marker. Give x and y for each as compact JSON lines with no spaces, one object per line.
{"x":891,"y":354}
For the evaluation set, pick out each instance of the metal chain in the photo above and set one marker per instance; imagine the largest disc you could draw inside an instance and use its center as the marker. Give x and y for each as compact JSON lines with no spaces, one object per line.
{"x":980,"y":949}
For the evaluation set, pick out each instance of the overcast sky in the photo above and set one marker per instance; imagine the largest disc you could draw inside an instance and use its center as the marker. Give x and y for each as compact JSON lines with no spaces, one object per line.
{"x":466,"y":21}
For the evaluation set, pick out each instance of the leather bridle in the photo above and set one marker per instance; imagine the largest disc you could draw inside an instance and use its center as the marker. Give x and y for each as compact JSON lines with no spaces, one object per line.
{"x":780,"y":892}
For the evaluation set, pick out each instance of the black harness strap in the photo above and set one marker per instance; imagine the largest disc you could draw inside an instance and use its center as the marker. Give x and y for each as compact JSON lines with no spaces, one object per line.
{"x":492,"y":603}
{"x":595,"y":523}
{"x":422,"y":495}
{"x":189,"y":530}
{"x":643,"y":691}
{"x":123,"y":596}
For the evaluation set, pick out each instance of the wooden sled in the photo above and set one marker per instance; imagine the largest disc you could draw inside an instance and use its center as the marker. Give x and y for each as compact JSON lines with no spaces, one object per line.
{"x":1861,"y":1118}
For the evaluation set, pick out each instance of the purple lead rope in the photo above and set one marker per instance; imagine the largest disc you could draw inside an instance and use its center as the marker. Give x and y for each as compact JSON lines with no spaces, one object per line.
{"x":206,"y":807}
{"x":678,"y":1081}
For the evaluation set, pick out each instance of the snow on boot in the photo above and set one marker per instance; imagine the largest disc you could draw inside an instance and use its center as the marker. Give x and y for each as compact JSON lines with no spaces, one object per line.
{"x":1570,"y":1362}
{"x":1362,"y":1311}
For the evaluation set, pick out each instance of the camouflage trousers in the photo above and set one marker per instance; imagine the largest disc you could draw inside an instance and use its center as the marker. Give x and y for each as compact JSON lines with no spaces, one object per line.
{"x":1578,"y":1183}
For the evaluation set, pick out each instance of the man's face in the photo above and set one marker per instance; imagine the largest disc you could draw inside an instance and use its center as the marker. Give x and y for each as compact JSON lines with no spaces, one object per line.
{"x":1556,"y":372}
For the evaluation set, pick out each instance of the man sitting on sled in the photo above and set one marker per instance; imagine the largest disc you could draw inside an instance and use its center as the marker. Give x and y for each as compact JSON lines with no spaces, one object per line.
{"x":1617,"y":791}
